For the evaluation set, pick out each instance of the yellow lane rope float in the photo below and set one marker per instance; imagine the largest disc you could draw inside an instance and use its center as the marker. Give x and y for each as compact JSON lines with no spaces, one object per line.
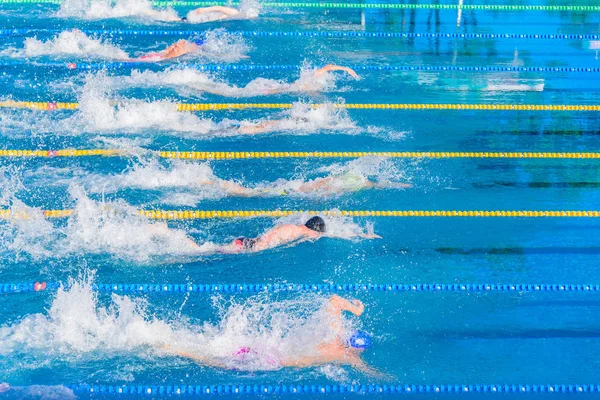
{"x":232,"y":155}
{"x":367,"y":106}
{"x":205,"y":214}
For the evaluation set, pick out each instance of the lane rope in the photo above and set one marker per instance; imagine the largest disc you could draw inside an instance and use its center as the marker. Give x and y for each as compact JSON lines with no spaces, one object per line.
{"x":241,"y":67}
{"x":331,"y":34}
{"x":202,"y":390}
{"x":27,"y":287}
{"x":236,"y":155}
{"x":483,"y":7}
{"x":50,"y":105}
{"x":209,"y":214}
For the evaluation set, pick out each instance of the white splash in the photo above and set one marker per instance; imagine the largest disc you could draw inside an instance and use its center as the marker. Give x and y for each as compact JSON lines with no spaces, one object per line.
{"x":104,"y":9}
{"x":248,"y":9}
{"x":112,"y":228}
{"x":98,"y":111}
{"x":116,"y":228}
{"x":73,"y":43}
{"x":78,"y":326}
{"x":302,"y":118}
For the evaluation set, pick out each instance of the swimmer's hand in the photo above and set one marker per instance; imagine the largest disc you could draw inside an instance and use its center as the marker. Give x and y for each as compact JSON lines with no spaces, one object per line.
{"x":370,"y":236}
{"x":333,"y":67}
{"x":351,"y":72}
{"x":358,"y":307}
{"x":4,"y":387}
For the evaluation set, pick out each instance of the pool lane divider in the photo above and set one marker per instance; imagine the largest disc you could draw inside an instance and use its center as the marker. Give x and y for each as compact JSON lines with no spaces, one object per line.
{"x":7,"y":214}
{"x":327,"y":34}
{"x":251,"y":67}
{"x":355,"y":5}
{"x":51,"y":105}
{"x":297,"y":389}
{"x":241,"y":155}
{"x":27,"y":287}
{"x":332,"y":389}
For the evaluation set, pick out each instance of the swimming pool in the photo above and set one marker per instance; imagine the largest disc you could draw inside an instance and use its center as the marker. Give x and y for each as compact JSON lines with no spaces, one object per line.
{"x":421,"y":337}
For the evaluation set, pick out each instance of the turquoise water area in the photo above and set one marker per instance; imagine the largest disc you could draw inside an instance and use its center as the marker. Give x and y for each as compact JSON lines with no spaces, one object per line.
{"x":76,"y":336}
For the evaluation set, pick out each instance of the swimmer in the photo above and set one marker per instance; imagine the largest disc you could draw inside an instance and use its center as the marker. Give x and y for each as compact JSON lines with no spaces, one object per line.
{"x":177,"y":49}
{"x":339,"y":348}
{"x":307,"y":83}
{"x":345,"y":183}
{"x":329,"y":185}
{"x":203,"y":14}
{"x":313,"y":229}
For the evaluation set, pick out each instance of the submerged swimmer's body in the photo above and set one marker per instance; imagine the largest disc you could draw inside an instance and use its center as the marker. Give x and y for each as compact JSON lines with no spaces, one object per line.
{"x":308,"y":82}
{"x":281,"y":235}
{"x":337,"y":349}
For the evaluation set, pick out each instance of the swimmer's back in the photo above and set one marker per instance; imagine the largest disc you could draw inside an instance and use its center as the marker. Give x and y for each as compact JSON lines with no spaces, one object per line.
{"x":283,"y":234}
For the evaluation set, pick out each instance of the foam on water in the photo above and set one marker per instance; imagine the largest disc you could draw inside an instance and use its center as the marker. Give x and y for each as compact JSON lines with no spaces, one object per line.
{"x":38,"y":392}
{"x":97,"y":227}
{"x":100,"y":113}
{"x":77,"y":326}
{"x":116,"y":228}
{"x":73,"y":43}
{"x":190,"y":82}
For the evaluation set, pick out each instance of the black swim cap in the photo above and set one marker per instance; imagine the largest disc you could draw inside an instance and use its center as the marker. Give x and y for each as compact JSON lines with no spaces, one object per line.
{"x":316,"y":224}
{"x":247,"y":243}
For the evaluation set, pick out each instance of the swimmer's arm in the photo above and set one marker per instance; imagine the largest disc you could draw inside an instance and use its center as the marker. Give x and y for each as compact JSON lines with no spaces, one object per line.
{"x":368,"y":236}
{"x":331,"y":67}
{"x":235,"y":188}
{"x":355,"y":361}
{"x":355,"y":235}
{"x":336,"y":306}
{"x":231,"y":12}
{"x":193,"y":356}
{"x":255,"y":128}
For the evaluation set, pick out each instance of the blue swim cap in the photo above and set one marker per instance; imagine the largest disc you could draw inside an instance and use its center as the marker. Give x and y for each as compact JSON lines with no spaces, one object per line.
{"x":360,"y":340}
{"x":198,"y":42}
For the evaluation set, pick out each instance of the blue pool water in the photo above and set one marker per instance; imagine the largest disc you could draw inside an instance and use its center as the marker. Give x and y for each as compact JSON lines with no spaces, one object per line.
{"x":76,"y":336}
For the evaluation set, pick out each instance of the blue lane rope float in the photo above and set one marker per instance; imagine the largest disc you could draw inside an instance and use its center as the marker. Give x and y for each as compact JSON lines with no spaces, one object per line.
{"x":330,"y":34}
{"x":202,"y":390}
{"x":13,"y":288}
{"x":251,"y":67}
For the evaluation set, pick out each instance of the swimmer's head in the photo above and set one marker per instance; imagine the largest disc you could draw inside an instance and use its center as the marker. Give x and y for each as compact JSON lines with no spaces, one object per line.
{"x":316,"y":224}
{"x":360,"y":340}
{"x":245,"y":243}
{"x":184,"y":19}
{"x":197,"y":41}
